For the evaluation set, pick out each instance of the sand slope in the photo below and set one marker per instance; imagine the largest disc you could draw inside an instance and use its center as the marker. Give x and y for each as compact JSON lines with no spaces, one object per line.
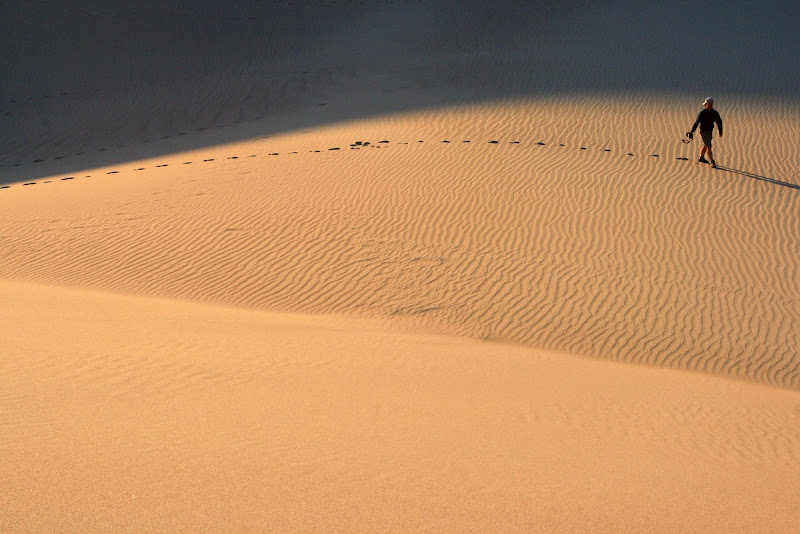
{"x":594,"y":252}
{"x":150,"y":415}
{"x":222,"y":310}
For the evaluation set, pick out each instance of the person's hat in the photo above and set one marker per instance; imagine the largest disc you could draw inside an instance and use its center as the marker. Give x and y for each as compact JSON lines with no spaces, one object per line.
{"x":708,"y":100}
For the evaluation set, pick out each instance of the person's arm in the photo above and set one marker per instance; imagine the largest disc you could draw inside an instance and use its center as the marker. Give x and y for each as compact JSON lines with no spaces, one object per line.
{"x":694,"y":126}
{"x":719,"y":124}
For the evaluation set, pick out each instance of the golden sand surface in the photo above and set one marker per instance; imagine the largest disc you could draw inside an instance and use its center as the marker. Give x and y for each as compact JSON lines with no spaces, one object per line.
{"x":398,"y":267}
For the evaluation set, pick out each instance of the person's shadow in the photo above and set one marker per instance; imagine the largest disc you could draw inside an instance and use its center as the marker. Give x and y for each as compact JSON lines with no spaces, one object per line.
{"x":757,"y":177}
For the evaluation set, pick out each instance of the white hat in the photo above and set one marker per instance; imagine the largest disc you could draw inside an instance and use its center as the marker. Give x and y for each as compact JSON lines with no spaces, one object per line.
{"x":708,"y":100}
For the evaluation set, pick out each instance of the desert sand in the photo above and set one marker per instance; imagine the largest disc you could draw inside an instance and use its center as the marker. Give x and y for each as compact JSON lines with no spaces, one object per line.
{"x":390,"y":267}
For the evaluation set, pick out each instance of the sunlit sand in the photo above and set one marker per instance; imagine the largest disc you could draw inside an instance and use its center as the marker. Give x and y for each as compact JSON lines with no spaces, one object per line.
{"x":407,"y":268}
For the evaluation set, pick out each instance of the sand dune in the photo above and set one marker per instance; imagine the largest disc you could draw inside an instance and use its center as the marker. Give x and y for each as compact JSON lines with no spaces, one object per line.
{"x":318,"y":266}
{"x":160,"y":415}
{"x":643,"y":257}
{"x":106,"y":82}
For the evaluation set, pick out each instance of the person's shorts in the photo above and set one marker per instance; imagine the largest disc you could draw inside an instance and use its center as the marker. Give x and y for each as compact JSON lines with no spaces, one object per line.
{"x":706,"y":138}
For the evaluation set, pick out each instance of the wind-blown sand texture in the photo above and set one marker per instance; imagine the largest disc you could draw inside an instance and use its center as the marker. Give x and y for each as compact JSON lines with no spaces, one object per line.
{"x":353,"y":267}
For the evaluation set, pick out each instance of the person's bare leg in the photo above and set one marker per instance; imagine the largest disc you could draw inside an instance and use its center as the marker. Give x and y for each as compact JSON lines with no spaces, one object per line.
{"x":710,"y":155}
{"x":703,"y":151}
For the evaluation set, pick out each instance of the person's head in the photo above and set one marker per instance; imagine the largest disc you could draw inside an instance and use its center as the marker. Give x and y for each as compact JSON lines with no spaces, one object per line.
{"x":708,"y":103}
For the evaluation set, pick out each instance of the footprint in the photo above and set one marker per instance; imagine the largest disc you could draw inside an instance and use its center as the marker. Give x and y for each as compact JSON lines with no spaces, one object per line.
{"x":30,"y":183}
{"x":334,"y":148}
{"x":68,"y":178}
{"x":560,"y":144}
{"x":210,"y":159}
{"x":80,"y":153}
{"x":630,"y":153}
{"x":466,"y":141}
{"x":139,"y":169}
{"x":583,"y":148}
{"x":493,"y":142}
{"x":540,"y":143}
{"x":112,"y":172}
{"x":605,"y":150}
{"x":233,"y":157}
{"x":278,"y":153}
{"x":187,"y":162}
{"x":514,"y":142}
{"x":38,"y":160}
{"x":445,"y":141}
{"x":250,"y":156}
{"x":162,"y":165}
{"x":383,"y":142}
{"x":654,"y":156}
{"x":683,"y":159}
{"x":4,"y":186}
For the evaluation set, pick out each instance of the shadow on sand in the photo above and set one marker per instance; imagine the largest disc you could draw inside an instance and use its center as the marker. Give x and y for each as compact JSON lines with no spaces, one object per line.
{"x":758,"y":177}
{"x":186,"y":67}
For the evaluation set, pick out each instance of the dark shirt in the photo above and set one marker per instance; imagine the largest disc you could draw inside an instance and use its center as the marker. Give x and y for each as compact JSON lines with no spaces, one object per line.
{"x":706,"y":119}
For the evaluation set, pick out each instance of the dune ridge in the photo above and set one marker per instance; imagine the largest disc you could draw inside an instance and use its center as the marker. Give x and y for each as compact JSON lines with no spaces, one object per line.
{"x":95,"y":79}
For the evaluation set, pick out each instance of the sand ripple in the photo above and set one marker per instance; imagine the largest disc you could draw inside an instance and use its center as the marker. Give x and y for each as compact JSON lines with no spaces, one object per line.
{"x":531,"y":239}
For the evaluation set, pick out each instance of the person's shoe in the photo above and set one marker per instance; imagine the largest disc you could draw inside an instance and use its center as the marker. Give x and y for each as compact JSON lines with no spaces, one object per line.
{"x":713,"y":164}
{"x":702,"y":160}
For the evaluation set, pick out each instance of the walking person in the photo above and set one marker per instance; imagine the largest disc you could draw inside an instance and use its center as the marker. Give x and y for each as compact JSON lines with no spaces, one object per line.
{"x":706,"y":119}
